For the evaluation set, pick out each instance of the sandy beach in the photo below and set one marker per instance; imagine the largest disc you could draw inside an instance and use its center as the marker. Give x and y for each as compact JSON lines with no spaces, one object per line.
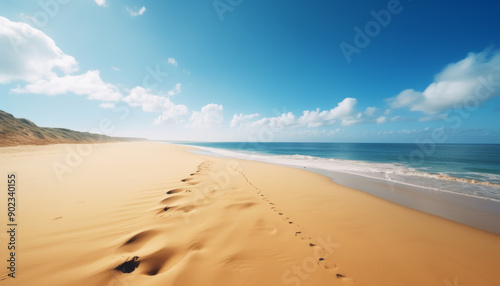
{"x":88,"y":214}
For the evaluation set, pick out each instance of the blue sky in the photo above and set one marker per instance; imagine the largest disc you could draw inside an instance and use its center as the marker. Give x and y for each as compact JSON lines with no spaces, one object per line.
{"x":336,"y":71}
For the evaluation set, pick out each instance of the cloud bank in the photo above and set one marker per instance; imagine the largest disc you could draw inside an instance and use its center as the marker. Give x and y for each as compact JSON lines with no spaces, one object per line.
{"x":475,"y":78}
{"x":27,"y":54}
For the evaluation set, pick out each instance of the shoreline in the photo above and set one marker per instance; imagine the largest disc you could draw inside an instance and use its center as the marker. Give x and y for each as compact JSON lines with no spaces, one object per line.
{"x":478,"y":212}
{"x":190,"y":219}
{"x":438,"y":181}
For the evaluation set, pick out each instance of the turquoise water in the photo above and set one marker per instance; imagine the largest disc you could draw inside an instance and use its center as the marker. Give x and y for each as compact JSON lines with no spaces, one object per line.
{"x":469,"y":169}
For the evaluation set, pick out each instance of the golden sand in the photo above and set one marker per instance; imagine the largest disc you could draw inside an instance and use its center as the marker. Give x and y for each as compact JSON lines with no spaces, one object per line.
{"x":85,"y":210}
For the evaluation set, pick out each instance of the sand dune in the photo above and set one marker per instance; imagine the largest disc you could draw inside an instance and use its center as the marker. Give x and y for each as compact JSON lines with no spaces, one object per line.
{"x":20,"y":131}
{"x":154,"y":214}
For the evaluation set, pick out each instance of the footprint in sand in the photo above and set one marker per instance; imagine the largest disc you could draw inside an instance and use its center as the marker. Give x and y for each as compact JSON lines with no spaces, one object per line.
{"x":138,"y":240}
{"x":174,"y":191}
{"x":152,"y":264}
{"x":190,"y":181}
{"x":327,"y":265}
{"x":300,"y":235}
{"x":129,"y":266}
{"x":175,"y":209}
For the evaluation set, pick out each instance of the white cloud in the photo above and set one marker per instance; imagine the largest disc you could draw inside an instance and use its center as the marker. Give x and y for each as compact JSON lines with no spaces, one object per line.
{"x":27,"y":54}
{"x":406,"y":98}
{"x":31,"y":56}
{"x":239,"y":118}
{"x":173,"y":113}
{"x":172,"y":61}
{"x":473,"y":79}
{"x":396,"y":118}
{"x":344,"y":112}
{"x":175,"y":90}
{"x":278,"y":122}
{"x":318,"y":132}
{"x":209,"y":116}
{"x":89,"y":83}
{"x":136,"y":13}
{"x":143,"y":97}
{"x":334,"y":131}
{"x":433,"y":117}
{"x":311,"y":118}
{"x":353,"y":120}
{"x":381,"y":119}
{"x":115,"y":68}
{"x":149,"y":102}
{"x":108,"y":105}
{"x":370,"y":111}
{"x":101,"y":2}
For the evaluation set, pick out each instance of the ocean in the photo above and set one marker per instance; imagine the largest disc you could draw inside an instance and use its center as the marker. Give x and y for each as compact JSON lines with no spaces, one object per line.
{"x":465,"y":169}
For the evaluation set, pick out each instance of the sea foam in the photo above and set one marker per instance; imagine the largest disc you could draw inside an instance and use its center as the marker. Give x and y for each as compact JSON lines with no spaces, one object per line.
{"x":478,"y":185}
